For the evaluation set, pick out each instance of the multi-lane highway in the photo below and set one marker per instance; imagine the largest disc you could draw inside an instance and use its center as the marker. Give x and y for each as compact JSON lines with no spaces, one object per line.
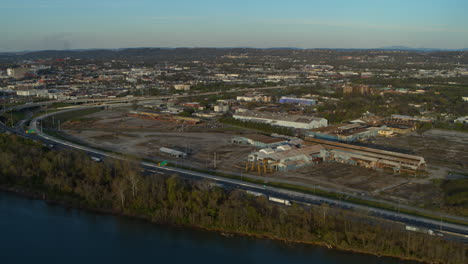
{"x":447,"y":230}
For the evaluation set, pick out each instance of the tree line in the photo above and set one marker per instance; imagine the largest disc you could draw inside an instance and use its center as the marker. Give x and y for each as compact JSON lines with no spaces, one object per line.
{"x":118,"y":186}
{"x":258,"y":126}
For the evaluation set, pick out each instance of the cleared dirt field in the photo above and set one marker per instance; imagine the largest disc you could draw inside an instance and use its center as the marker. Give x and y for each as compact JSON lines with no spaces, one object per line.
{"x":201,"y":146}
{"x":345,"y":177}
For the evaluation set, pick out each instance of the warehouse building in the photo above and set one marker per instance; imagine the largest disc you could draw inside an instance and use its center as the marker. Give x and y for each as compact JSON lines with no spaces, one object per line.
{"x":254,"y":98}
{"x":173,"y":152}
{"x":284,"y":158}
{"x":284,"y":120}
{"x":260,"y":141}
{"x":345,"y":132}
{"x":369,"y":157}
{"x":294,"y":100}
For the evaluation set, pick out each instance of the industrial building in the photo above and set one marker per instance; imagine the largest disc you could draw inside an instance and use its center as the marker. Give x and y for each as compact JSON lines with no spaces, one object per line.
{"x":300,"y":101}
{"x":461,"y":120}
{"x":33,"y":92}
{"x":17,"y":73}
{"x":254,"y":98}
{"x":182,"y":87}
{"x":173,"y":152}
{"x":284,"y":120}
{"x":221,"y":108}
{"x":259,"y":140}
{"x":360,"y":89}
{"x":345,"y":132}
{"x":402,"y":124}
{"x":284,"y":158}
{"x":404,"y":118}
{"x":369,"y":157}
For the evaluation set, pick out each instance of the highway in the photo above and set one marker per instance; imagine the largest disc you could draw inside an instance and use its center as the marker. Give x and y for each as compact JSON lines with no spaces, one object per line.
{"x":448,"y":230}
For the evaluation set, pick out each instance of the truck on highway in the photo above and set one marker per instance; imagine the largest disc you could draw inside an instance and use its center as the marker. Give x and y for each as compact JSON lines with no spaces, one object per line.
{"x":278,"y":200}
{"x":96,"y":159}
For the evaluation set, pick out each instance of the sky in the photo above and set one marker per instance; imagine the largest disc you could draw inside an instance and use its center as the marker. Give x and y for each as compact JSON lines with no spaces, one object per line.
{"x":84,"y":24}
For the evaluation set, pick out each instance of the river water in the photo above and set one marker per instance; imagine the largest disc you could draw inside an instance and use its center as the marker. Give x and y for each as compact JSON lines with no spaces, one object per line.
{"x":33,"y":231}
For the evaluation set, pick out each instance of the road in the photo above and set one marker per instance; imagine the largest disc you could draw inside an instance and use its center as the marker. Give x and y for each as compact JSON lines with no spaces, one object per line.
{"x":449,"y":231}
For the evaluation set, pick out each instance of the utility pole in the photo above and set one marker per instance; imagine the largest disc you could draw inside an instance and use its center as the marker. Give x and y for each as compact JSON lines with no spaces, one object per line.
{"x":59,"y":124}
{"x":214,"y":161}
{"x":440,"y":227}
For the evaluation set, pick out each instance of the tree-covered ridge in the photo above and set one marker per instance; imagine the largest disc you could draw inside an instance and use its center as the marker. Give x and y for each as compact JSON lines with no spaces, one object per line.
{"x":118,"y":186}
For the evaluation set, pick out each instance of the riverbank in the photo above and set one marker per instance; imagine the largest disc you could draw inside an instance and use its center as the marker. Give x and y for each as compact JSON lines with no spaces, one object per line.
{"x":117,"y":187}
{"x":223,"y":232}
{"x":34,"y":231}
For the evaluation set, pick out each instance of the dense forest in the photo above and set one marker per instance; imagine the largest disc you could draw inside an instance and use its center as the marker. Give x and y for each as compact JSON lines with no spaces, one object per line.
{"x":118,"y":187}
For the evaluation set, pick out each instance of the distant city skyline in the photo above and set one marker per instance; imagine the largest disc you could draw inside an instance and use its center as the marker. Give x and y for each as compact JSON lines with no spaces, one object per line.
{"x":86,"y":24}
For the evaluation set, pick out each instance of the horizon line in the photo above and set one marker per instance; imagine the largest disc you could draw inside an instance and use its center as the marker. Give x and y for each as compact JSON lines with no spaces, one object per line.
{"x":390,"y":48}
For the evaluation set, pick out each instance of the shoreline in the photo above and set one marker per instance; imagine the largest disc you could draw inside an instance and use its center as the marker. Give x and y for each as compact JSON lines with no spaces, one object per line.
{"x":226,"y":233}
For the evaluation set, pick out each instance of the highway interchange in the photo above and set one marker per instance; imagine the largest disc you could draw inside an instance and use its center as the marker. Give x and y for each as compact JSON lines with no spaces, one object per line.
{"x":446,"y":230}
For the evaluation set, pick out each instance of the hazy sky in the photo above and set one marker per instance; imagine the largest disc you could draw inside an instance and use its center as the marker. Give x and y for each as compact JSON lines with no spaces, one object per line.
{"x":76,"y":24}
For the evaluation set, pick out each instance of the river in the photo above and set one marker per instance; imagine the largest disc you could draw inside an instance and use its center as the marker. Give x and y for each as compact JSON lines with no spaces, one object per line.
{"x":33,"y":231}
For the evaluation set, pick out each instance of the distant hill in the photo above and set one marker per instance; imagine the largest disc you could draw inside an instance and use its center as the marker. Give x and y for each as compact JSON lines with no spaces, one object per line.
{"x":395,"y":48}
{"x":179,"y":54}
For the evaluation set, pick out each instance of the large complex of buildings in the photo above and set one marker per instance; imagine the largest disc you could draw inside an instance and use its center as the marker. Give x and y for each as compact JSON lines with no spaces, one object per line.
{"x":282,"y":155}
{"x":294,"y":121}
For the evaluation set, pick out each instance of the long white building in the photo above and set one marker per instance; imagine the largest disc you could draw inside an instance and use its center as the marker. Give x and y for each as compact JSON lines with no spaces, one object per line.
{"x":284,"y":120}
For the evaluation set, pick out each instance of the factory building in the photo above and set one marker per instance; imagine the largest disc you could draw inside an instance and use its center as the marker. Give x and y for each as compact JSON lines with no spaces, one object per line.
{"x":345,"y":132}
{"x":260,"y":141}
{"x":284,"y":158}
{"x":284,"y":120}
{"x":369,"y":157}
{"x":300,"y":101}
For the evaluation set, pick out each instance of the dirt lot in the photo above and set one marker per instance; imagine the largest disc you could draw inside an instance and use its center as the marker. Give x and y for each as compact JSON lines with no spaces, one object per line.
{"x":143,"y":137}
{"x":346,"y":177}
